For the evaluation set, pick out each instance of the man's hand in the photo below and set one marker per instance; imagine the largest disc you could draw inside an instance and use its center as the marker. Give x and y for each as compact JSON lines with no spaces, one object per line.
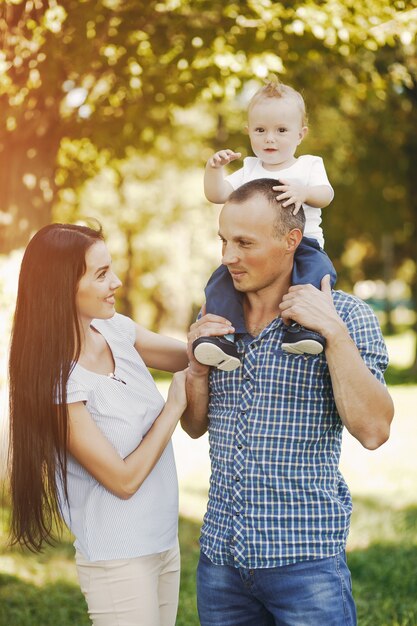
{"x":222,"y":158}
{"x":312,"y":308}
{"x":195,"y":418}
{"x":293,"y":193}
{"x":208,"y":325}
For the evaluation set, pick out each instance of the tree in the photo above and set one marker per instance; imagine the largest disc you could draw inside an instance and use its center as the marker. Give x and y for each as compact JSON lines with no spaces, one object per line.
{"x":87,"y":85}
{"x":383,"y":75}
{"x":94,"y":79}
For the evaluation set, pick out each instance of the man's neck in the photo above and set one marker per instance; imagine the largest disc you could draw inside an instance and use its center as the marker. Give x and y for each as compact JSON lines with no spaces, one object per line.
{"x":260,"y":308}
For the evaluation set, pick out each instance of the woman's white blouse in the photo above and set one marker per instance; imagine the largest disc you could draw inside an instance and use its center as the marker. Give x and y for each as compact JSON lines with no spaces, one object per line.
{"x":105,"y":526}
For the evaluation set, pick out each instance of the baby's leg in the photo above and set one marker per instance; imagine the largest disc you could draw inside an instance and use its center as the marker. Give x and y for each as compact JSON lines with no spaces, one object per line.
{"x":221,"y":299}
{"x":311,"y":263}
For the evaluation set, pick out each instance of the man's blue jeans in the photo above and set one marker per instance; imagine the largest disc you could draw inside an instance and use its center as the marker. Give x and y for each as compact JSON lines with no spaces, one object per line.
{"x":311,"y":593}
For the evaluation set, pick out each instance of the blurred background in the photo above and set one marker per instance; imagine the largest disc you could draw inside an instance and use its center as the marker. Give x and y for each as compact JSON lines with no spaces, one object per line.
{"x":109,"y":110}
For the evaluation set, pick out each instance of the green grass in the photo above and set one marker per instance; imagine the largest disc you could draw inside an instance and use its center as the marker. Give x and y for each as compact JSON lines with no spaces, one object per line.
{"x":384,"y":570}
{"x":42,"y":590}
{"x":401,"y":348}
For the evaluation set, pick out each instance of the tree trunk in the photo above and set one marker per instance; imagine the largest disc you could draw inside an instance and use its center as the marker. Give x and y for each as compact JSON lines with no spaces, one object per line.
{"x":27,"y":172}
{"x":30,"y":131}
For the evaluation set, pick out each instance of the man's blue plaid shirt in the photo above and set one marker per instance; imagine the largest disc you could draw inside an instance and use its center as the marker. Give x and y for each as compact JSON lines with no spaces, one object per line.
{"x":276,"y":494}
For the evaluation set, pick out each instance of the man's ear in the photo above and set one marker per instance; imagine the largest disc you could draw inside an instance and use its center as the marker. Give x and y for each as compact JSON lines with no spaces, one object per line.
{"x":246,"y":129}
{"x":293,"y":239}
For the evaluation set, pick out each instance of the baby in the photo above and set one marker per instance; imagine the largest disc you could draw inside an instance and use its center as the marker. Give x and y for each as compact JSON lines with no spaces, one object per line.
{"x":276,"y":126}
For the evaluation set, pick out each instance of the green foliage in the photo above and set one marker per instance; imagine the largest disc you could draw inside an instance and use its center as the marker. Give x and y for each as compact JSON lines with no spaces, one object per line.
{"x":110,"y":76}
{"x":400,"y":376}
{"x":104,"y":88}
{"x":156,"y":222}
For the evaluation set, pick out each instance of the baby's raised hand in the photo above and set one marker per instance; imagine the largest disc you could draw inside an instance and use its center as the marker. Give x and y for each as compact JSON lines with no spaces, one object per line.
{"x":293,"y":193}
{"x":223,"y":157}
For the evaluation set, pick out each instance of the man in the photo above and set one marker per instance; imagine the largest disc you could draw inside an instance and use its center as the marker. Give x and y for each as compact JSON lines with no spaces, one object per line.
{"x":274,"y":535}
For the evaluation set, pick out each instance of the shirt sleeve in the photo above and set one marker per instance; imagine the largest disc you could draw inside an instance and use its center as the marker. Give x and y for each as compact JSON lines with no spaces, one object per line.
{"x":76,"y":392}
{"x":126,"y":326}
{"x":236,"y":179}
{"x":317,"y":174}
{"x":364,"y":328}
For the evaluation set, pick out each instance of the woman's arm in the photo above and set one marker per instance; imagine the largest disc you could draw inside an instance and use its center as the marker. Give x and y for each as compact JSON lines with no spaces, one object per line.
{"x":123,"y":477}
{"x":159,"y":351}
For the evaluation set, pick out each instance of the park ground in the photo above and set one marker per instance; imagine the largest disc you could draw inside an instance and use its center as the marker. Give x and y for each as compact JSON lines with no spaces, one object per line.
{"x":42,"y":590}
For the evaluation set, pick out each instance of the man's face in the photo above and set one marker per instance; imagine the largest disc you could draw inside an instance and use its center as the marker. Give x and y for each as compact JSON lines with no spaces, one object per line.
{"x":255,"y":258}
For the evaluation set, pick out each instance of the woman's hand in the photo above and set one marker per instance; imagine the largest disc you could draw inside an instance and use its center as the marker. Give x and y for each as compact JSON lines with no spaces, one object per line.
{"x":176,"y":393}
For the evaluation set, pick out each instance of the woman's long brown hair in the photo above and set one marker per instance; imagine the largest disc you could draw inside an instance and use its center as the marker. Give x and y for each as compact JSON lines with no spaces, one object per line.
{"x":45,"y":345}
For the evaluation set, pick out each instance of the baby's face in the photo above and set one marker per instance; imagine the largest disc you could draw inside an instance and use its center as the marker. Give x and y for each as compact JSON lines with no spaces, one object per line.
{"x":275,"y":130}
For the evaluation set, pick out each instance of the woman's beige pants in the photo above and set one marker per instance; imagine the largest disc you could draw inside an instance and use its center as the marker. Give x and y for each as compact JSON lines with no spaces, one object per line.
{"x":133,"y":592}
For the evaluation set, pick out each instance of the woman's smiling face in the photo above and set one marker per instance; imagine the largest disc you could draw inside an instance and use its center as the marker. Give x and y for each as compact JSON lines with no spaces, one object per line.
{"x":97,"y":286}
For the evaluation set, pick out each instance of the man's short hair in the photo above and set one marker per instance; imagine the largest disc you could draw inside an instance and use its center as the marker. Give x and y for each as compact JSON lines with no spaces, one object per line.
{"x":285,"y":220}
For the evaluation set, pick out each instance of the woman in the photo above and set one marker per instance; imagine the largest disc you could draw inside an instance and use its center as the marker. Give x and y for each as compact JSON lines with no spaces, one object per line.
{"x":90,"y":433}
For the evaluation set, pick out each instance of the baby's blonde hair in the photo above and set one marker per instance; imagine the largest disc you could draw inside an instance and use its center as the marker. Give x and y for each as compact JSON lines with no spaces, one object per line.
{"x":275,"y":89}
